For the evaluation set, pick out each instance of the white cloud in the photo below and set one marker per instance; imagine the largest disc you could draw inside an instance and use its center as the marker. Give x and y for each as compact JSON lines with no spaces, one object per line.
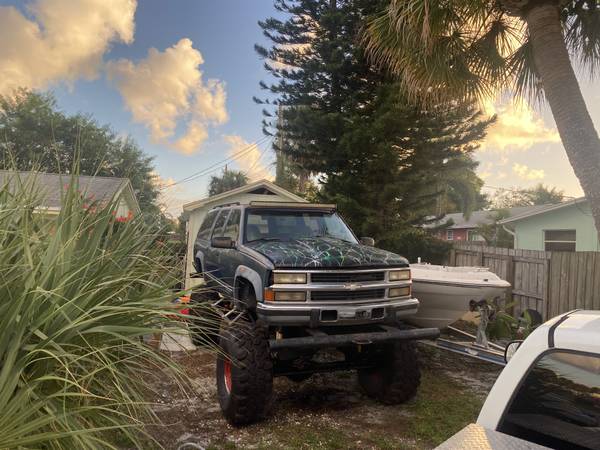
{"x":517,"y":128}
{"x":166,"y":88}
{"x":526,"y":173}
{"x":250,"y":161}
{"x":62,"y":40}
{"x":171,"y":196}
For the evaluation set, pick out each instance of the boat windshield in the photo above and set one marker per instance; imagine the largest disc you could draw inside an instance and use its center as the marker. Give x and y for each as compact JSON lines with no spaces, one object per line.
{"x":289,"y":225}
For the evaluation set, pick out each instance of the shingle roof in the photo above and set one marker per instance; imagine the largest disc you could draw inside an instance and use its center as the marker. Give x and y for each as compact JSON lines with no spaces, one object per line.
{"x":482,"y":217}
{"x":51,"y":185}
{"x":541,"y":210}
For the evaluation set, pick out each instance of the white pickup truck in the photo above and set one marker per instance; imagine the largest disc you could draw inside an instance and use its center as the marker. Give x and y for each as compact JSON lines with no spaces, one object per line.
{"x":548,"y":395}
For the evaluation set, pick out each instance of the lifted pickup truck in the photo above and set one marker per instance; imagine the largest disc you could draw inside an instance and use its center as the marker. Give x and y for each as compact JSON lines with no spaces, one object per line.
{"x":548,"y":395}
{"x":296,"y":280}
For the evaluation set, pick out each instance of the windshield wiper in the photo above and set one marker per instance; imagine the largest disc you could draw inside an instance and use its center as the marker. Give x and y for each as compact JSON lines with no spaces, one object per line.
{"x":265,"y":239}
{"x":330,"y":236}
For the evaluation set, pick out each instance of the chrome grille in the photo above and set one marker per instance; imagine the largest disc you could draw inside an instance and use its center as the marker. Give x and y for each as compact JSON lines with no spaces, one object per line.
{"x":363,"y":294}
{"x":346,"y":277}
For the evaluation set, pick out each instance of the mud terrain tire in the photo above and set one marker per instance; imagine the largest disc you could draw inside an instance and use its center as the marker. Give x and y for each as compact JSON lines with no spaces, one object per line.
{"x":244,"y":373}
{"x":398,"y":377}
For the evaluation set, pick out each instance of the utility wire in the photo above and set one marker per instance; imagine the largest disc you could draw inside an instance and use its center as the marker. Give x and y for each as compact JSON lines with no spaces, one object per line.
{"x":261,"y":155}
{"x":515,"y":190}
{"x":218,"y":164}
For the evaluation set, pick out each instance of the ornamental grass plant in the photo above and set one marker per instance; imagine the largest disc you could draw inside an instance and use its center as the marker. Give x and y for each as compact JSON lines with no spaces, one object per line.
{"x":78,"y":291}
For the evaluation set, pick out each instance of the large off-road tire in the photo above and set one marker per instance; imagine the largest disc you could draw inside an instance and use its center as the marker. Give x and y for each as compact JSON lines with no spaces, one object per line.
{"x":204,"y":322}
{"x":398,"y":376}
{"x":244,"y":373}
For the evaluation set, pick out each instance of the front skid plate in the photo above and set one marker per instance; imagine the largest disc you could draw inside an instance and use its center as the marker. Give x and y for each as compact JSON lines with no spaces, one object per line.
{"x":321,"y":339}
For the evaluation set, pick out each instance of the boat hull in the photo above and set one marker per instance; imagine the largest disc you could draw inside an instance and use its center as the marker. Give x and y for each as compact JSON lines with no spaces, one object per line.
{"x":443,"y":303}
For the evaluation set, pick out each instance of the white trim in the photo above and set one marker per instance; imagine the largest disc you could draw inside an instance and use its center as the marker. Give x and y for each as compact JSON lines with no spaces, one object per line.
{"x":126,"y":186}
{"x":188,"y":207}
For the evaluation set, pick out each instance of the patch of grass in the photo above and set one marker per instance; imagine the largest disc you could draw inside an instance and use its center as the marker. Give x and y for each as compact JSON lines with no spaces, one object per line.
{"x":388,"y":443}
{"x":442,"y":407}
{"x":305,"y":437}
{"x":222,"y":445}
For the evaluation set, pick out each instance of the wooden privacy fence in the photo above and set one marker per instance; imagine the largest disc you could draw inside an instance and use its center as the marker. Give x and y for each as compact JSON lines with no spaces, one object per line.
{"x":549,"y":282}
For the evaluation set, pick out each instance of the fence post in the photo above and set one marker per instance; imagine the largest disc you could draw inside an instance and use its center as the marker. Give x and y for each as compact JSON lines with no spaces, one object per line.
{"x":510,"y":277}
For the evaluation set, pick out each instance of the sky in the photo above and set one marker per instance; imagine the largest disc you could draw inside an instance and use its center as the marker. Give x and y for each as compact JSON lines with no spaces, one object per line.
{"x":178,"y":76}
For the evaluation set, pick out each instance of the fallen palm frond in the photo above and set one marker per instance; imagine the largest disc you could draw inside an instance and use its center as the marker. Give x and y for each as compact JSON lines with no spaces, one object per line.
{"x":78,"y":291}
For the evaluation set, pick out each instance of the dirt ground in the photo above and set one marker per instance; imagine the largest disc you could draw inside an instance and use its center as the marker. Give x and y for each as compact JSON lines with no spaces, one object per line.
{"x":327,"y":411}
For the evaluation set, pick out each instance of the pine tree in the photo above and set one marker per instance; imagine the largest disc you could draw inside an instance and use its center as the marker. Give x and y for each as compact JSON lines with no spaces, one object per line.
{"x":384,"y":162}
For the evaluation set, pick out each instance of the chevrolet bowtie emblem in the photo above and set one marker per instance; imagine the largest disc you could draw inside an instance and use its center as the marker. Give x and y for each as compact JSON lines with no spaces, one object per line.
{"x":352,"y":286}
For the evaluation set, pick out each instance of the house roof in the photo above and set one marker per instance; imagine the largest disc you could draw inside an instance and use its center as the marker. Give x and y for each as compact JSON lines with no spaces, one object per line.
{"x":480,"y":217}
{"x":543,"y":209}
{"x":265,"y":184}
{"x":52,"y":185}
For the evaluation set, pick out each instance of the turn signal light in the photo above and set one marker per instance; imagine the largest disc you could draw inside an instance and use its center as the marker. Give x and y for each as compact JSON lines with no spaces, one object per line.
{"x":399,"y":292}
{"x":290,"y":296}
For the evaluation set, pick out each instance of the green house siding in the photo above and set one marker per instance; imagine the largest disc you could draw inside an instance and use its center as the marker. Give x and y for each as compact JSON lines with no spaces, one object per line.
{"x":529,"y":231}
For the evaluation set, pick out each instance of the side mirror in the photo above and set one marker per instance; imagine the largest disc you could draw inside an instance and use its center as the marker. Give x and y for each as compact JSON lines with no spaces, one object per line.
{"x":367,"y":241}
{"x":222,"y":242}
{"x":511,"y":349}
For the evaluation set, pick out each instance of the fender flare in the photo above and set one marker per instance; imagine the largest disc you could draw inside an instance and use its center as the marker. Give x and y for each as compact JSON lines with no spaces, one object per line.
{"x":199,"y":255}
{"x":252,"y":277}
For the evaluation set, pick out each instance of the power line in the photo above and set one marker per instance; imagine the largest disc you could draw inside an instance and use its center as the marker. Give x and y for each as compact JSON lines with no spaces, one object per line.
{"x":219,"y":164}
{"x":514,"y":190}
{"x":260,"y":156}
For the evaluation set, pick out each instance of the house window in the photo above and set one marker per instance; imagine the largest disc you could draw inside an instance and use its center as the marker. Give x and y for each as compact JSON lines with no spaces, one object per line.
{"x":449,"y":235}
{"x":473,"y":235}
{"x":560,"y":240}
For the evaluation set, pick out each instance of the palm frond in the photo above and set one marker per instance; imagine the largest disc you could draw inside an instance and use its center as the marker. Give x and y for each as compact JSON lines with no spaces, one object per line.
{"x":581,"y":21}
{"x":444,"y":51}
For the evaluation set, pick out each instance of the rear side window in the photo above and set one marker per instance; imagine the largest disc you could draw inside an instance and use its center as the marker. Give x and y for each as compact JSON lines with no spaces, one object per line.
{"x":204,"y":231}
{"x":218,"y":229}
{"x":558,"y":404}
{"x":232,"y":228}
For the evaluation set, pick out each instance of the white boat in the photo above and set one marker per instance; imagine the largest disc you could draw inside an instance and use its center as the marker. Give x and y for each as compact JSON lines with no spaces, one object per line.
{"x":444,"y":293}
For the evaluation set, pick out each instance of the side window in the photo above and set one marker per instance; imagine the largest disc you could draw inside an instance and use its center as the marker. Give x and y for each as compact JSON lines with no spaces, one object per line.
{"x":204,"y":231}
{"x":558,"y":404}
{"x":232,"y":229}
{"x":218,"y":229}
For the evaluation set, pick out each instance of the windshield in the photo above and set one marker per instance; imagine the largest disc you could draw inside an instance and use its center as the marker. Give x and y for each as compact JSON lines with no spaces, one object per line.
{"x":290,"y":225}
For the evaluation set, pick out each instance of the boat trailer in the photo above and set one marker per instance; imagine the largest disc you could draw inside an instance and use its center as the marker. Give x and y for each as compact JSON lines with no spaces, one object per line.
{"x":475,"y":346}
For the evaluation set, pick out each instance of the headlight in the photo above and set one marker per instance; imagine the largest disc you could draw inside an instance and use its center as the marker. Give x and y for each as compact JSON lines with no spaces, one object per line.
{"x":399,"y":275}
{"x":289,"y":296}
{"x":289,"y":278}
{"x":399,"y":292}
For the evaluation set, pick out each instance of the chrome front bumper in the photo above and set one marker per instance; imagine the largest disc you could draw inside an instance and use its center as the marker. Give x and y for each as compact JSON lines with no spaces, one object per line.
{"x":316,"y":314}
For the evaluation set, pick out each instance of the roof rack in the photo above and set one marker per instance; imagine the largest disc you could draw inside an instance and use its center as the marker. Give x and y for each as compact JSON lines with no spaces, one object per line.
{"x":298,"y":205}
{"x":224,"y":205}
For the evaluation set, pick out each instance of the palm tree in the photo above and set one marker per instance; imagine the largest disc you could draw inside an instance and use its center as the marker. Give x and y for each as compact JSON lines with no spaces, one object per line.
{"x":229,"y":179}
{"x":476,"y":49}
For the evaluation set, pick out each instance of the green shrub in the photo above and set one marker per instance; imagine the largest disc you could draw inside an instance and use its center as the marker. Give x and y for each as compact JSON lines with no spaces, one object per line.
{"x":77,"y":293}
{"x":414,"y":243}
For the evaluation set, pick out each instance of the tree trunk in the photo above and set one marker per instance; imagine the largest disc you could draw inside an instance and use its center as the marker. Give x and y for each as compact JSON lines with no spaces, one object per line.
{"x":575,"y":126}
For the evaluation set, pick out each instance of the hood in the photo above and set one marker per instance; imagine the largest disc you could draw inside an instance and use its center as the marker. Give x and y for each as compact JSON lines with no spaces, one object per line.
{"x":325,"y":252}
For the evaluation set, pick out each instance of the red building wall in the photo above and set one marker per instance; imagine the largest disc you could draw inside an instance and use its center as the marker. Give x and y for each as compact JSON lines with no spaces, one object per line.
{"x":459,"y":234}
